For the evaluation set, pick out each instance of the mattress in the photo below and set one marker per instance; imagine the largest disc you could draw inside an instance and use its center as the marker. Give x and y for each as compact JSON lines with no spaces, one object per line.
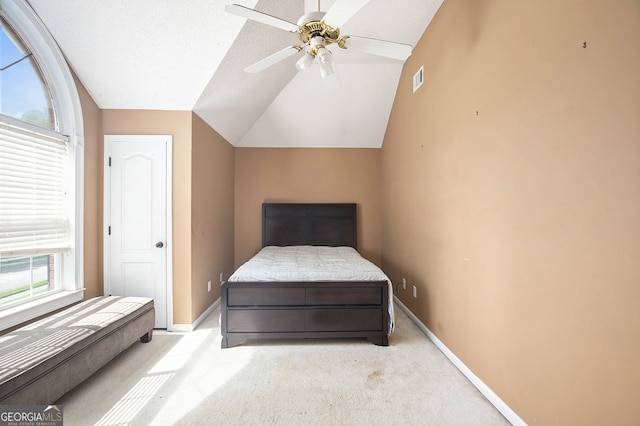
{"x":312,"y":263}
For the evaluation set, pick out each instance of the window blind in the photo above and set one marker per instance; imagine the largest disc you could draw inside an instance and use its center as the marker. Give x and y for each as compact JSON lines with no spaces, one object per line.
{"x":33,"y":206}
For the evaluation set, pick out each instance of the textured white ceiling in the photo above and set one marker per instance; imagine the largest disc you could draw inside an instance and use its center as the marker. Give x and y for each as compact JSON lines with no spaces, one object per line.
{"x":190,"y":55}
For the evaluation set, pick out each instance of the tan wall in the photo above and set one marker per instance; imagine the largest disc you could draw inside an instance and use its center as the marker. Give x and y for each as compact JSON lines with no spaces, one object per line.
{"x":306,"y":175}
{"x":511,"y":199}
{"x":93,"y":200}
{"x":211,"y":214}
{"x":178,"y":124}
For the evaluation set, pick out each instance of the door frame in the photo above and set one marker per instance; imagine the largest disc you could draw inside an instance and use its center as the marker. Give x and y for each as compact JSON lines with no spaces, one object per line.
{"x":168,"y":141}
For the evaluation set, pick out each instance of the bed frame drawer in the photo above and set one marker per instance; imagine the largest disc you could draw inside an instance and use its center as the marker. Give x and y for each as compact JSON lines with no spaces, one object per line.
{"x":265,"y":320}
{"x":364,"y":319}
{"x":300,"y":310}
{"x":241,"y":296}
{"x":344,"y":296}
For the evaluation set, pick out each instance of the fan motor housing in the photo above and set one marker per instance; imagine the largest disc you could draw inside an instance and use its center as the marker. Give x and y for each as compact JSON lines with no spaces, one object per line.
{"x":311,"y":25}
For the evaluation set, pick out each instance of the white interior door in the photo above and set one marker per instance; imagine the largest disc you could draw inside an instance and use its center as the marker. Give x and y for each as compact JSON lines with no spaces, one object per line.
{"x":136,"y":218}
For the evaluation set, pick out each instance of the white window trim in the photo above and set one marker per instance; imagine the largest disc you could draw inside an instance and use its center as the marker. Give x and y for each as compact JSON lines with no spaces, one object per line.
{"x":56,"y":73}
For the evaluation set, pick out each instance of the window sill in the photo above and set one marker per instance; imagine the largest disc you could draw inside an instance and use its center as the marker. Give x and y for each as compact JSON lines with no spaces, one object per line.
{"x":27,"y":311}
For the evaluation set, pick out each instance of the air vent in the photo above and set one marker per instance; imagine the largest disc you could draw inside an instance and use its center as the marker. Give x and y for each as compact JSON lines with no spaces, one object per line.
{"x":418,"y":79}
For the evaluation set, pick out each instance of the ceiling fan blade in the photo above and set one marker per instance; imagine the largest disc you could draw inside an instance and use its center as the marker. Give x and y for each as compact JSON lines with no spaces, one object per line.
{"x":272,"y":59}
{"x":342,"y":11}
{"x":264,"y":18}
{"x":372,"y":46}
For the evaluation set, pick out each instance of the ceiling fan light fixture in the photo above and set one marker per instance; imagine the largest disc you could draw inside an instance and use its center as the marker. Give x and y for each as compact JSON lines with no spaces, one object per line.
{"x":324,"y":56}
{"x":305,"y":62}
{"x":326,"y":70}
{"x":325,"y":60}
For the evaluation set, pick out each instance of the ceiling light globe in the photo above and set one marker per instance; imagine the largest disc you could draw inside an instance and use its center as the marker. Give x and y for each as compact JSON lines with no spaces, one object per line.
{"x":326,"y":70}
{"x":305,"y":62}
{"x":324,"y":56}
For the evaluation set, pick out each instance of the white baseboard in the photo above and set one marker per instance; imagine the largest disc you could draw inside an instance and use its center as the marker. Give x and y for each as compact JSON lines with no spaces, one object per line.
{"x":500,"y":405}
{"x":183,"y":328}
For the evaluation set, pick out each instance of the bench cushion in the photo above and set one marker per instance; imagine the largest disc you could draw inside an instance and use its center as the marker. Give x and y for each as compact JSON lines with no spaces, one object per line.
{"x":60,"y":351}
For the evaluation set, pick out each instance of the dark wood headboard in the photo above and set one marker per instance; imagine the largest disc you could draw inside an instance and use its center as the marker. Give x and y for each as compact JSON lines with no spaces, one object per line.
{"x":309,"y":224}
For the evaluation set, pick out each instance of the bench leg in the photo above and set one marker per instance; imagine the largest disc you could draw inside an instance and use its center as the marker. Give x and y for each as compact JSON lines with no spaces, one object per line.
{"x":147,"y":337}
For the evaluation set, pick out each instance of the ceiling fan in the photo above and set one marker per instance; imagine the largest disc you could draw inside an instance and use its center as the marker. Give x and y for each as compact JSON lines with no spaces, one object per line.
{"x":316,"y":35}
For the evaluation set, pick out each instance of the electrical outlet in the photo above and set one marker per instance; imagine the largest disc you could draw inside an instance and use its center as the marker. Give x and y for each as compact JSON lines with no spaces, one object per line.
{"x":404,"y":283}
{"x":209,"y":286}
{"x":415,"y":292}
{"x":220,"y":276}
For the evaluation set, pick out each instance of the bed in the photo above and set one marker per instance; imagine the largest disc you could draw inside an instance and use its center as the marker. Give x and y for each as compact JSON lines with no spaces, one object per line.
{"x":269,"y":297}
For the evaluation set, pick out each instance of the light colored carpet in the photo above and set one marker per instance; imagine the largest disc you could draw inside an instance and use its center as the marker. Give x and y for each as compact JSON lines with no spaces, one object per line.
{"x":186,"y":379}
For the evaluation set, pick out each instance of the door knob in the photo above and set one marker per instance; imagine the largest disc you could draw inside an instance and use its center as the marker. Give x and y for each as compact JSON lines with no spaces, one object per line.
{"x":159,"y":244}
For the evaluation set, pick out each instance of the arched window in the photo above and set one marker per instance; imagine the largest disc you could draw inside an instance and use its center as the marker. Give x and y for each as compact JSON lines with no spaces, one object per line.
{"x":25,"y":94}
{"x":41,"y":171}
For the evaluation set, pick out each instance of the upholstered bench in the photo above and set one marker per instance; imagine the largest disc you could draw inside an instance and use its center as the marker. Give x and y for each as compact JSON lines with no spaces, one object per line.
{"x":44,"y":360}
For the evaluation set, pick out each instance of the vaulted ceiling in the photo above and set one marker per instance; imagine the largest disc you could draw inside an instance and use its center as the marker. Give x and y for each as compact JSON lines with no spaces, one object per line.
{"x":190,"y":55}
